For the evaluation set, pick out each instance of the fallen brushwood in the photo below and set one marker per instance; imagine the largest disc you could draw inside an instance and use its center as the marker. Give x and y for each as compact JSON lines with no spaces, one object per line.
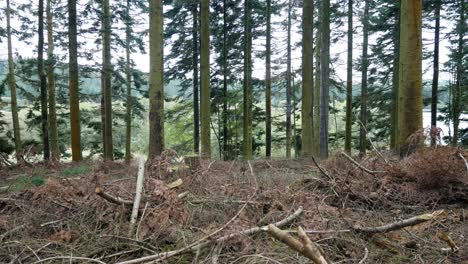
{"x":204,"y":242}
{"x":400,"y":224}
{"x":304,"y":247}
{"x":359,"y":164}
{"x":113,"y":199}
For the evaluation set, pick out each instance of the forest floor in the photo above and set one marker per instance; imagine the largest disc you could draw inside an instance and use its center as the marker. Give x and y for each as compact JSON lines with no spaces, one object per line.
{"x":52,"y":214}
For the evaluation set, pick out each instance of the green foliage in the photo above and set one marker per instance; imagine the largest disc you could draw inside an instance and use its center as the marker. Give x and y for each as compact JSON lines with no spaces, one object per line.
{"x":23,"y":182}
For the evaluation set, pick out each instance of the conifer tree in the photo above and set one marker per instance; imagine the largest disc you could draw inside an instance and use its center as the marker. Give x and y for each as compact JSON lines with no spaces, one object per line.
{"x":205,"y":79}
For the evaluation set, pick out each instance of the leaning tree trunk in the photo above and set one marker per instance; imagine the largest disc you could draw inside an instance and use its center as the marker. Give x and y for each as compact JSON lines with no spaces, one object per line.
{"x":247,"y":83}
{"x":268,"y":82}
{"x":410,"y":79}
{"x":364,"y":66}
{"x":196,"y":111}
{"x":288,"y":85}
{"x":53,"y":131}
{"x":325,"y":76}
{"x":349,"y":80}
{"x":42,"y":81}
{"x":205,"y":115}
{"x":73,"y":80}
{"x":156,"y":80}
{"x":12,"y":84}
{"x":128,"y":80}
{"x":307,"y":79}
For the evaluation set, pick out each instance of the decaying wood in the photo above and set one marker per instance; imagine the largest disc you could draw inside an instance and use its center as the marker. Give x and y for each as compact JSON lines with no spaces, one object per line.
{"x":175,"y":184}
{"x":359,"y":164}
{"x":305,"y":247}
{"x":137,"y":200}
{"x":202,"y":243}
{"x":401,"y":224}
{"x":110,"y":198}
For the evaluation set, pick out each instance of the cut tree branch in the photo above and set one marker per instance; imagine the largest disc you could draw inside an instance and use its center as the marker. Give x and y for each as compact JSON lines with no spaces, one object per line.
{"x":305,"y":247}
{"x":110,"y":198}
{"x":359,"y":165}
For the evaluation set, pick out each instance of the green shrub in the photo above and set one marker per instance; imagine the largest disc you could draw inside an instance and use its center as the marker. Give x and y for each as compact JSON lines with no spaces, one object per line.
{"x":77,"y":170}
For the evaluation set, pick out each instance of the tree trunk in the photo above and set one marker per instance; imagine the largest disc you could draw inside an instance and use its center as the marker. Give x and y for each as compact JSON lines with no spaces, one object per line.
{"x":395,"y":78}
{"x":196,"y":112}
{"x":349,"y":81}
{"x":410,"y":79}
{"x":128,"y":77}
{"x":325,"y":78}
{"x":225,"y":84}
{"x":316,"y":97}
{"x":288,"y":85}
{"x":435,"y":75}
{"x":457,"y":95}
{"x":364,"y":66}
{"x":106,"y":78}
{"x":205,"y":115}
{"x":53,"y":131}
{"x":73,"y":79}
{"x":156,"y":80}
{"x":43,"y":81}
{"x":307,"y":79}
{"x":247,"y":83}
{"x":12,"y":84}
{"x":268,"y":82}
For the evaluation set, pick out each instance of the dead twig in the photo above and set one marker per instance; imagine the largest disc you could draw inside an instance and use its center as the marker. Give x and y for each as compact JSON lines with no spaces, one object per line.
{"x":321,"y":169}
{"x":70,"y":258}
{"x":359,"y":165}
{"x":366,"y":255}
{"x":400,"y":224}
{"x":463,"y":158}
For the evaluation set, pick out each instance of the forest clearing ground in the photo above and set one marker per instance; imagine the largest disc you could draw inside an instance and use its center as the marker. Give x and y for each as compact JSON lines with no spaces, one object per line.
{"x":63,"y":217}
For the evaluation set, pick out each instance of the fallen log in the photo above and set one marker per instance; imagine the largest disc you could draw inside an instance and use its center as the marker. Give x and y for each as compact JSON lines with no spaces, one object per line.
{"x":305,"y":247}
{"x":200,"y":244}
{"x":137,"y":200}
{"x":110,"y":198}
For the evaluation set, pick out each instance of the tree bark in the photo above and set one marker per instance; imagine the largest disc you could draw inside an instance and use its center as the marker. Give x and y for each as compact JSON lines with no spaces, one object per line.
{"x":288,"y":84}
{"x":225,"y":84}
{"x":196,"y":92}
{"x":53,"y":131}
{"x":435,"y":74}
{"x":205,"y":79}
{"x":73,"y":79}
{"x":307,"y":79}
{"x":268,"y":83}
{"x":410,"y":79}
{"x":43,"y":81}
{"x":325,"y":78}
{"x":107,"y":79}
{"x":364,"y":66}
{"x":395,"y":78}
{"x":316,"y":97}
{"x":349,"y":81}
{"x":156,"y":80}
{"x":247,"y":118}
{"x":12,"y":84}
{"x":128,"y":80}
{"x":457,"y":103}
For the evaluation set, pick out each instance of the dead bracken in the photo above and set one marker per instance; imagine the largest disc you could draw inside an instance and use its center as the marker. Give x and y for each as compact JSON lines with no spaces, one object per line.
{"x":380,"y":209}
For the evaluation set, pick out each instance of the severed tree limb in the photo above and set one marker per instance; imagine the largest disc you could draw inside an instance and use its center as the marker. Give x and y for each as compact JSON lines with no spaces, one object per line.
{"x":306,"y":248}
{"x":202,"y":243}
{"x":110,"y":198}
{"x":400,"y":224}
{"x":137,"y":200}
{"x":359,"y":165}
{"x":463,"y":158}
